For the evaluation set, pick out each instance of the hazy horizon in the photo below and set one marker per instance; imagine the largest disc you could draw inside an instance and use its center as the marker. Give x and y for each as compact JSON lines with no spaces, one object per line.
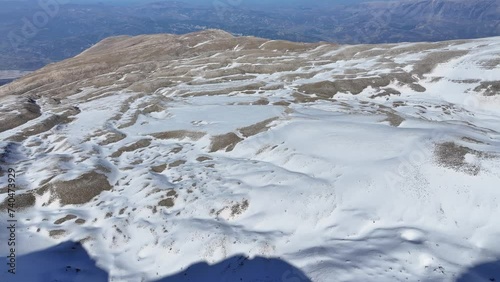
{"x":213,"y":2}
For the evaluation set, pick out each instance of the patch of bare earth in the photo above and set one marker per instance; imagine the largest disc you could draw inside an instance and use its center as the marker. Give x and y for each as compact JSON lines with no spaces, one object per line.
{"x":223,"y":79}
{"x":257,"y":128}
{"x":41,"y":127}
{"x":57,"y":233}
{"x":327,"y":89}
{"x":179,"y":134}
{"x":159,"y":168}
{"x":247,"y":87}
{"x":386,"y":92}
{"x":77,"y":191}
{"x":429,"y":62}
{"x":233,"y":210}
{"x":394,"y":119}
{"x":177,"y":163}
{"x":28,"y":110}
{"x":261,"y":102}
{"x":80,"y":221}
{"x":203,"y":158}
{"x":23,"y":201}
{"x":489,"y":88}
{"x":323,"y":89}
{"x":452,"y":156}
{"x":287,"y":45}
{"x":225,"y":142}
{"x":112,"y":137}
{"x":282,"y":103}
{"x":132,"y":147}
{"x":151,"y":85}
{"x":239,"y":208}
{"x":490,"y":64}
{"x":64,"y":219}
{"x":170,"y":201}
{"x":301,"y":98}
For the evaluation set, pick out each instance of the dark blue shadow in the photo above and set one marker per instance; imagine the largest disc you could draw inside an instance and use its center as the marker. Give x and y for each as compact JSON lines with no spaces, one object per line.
{"x":240,"y":268}
{"x":65,"y":262}
{"x":485,"y":272}
{"x":69,"y":262}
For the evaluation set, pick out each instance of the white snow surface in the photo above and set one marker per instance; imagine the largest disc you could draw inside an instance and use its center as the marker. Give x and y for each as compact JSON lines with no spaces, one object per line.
{"x":331,"y":186}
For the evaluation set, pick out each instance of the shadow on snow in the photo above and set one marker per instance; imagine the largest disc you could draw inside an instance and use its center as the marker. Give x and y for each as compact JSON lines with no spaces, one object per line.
{"x":70,"y":262}
{"x":240,"y":268}
{"x":65,"y":262}
{"x":484,"y":272}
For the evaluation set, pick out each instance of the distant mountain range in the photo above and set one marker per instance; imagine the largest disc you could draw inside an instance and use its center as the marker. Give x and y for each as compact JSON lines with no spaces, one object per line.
{"x":24,"y":45}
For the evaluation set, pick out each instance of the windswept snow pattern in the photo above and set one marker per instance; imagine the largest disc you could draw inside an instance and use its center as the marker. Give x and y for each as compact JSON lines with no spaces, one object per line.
{"x":351,"y":163}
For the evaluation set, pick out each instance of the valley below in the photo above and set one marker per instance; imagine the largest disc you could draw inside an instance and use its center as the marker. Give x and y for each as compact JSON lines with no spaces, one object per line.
{"x":7,"y":76}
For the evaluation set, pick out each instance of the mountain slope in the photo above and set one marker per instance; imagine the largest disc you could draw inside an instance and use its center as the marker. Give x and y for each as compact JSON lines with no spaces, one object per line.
{"x":76,"y":26}
{"x":349,"y":162}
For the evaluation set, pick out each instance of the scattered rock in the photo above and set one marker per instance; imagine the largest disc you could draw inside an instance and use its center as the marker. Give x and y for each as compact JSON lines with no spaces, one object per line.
{"x":57,"y":233}
{"x":177,"y":163}
{"x":159,"y":168}
{"x":80,"y":221}
{"x":203,"y":158}
{"x":169,"y":202}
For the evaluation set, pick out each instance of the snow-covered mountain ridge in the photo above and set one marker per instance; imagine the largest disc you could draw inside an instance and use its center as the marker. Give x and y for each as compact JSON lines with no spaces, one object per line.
{"x":351,"y":163}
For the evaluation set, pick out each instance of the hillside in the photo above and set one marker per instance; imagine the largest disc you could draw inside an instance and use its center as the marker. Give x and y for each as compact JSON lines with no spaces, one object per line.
{"x":210,"y":157}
